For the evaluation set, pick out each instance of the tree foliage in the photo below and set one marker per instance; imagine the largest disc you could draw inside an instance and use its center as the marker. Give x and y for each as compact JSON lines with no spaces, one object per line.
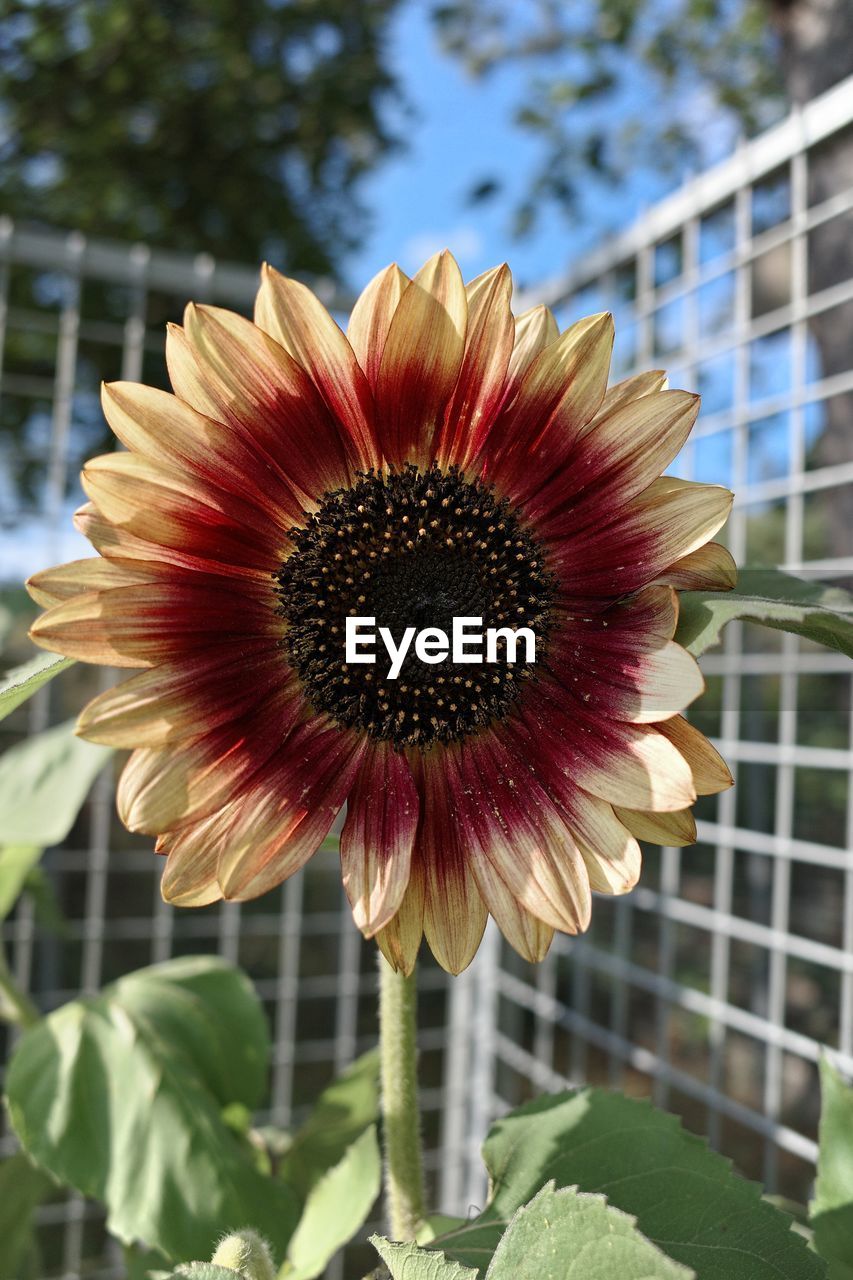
{"x":616,"y":84}
{"x":235,"y":127}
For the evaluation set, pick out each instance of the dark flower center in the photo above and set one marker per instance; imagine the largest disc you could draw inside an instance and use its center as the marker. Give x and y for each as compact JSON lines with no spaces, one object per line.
{"x":412,"y":549}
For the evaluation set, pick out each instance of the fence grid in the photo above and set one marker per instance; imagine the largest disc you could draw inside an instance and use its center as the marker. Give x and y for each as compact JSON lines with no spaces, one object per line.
{"x":711,"y":988}
{"x":714,"y":986}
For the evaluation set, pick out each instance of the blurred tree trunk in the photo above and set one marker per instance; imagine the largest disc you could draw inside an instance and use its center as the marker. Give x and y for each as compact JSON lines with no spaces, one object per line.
{"x":817,"y":52}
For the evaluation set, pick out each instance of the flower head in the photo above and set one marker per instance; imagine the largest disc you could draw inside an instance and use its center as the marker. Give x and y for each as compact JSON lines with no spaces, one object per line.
{"x":442,"y":461}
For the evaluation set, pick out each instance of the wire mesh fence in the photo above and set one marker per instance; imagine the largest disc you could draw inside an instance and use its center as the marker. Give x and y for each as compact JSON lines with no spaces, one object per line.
{"x":714,"y":985}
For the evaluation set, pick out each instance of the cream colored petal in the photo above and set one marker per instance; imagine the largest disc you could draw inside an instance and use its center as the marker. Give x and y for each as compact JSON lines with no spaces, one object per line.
{"x":535,"y":330}
{"x":686,"y":513}
{"x":401,"y":938}
{"x":568,"y":378}
{"x":524,"y":933}
{"x":172,"y":509}
{"x":616,"y":458}
{"x":166,"y":430}
{"x":140,"y":627}
{"x":166,"y":790}
{"x":668,"y":680}
{"x":709,"y":568}
{"x":186,"y":375}
{"x":670,"y":829}
{"x":51,"y":586}
{"x":669,"y":520}
{"x":454,"y":913}
{"x":509,"y":823}
{"x":709,"y":769}
{"x":537,"y":430}
{"x":189,"y":877}
{"x":286,"y":813}
{"x":480,"y":388}
{"x":637,"y":766}
{"x":642,"y":384}
{"x":115,"y":543}
{"x":631,"y":447}
{"x":264,"y":392}
{"x":545,"y":870}
{"x":610,"y":852}
{"x":161,"y":789}
{"x":176,"y":701}
{"x":294,"y":316}
{"x":378,"y":837}
{"x":371,"y":316}
{"x":77,"y":628}
{"x":421,"y":361}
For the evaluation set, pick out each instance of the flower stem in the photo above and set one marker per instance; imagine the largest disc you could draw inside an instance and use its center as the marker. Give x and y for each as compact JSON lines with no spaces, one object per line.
{"x":401,"y":1122}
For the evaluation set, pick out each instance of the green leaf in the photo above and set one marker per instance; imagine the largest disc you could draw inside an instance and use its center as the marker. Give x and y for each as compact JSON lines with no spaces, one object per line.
{"x":410,"y":1262}
{"x":831,"y":1211}
{"x":341,"y":1114}
{"x":22,"y":1189}
{"x":571,"y":1235}
{"x":43,"y":783}
{"x":22,"y":682}
{"x":16,"y":863}
{"x":337,"y":1206}
{"x":438,"y":1224}
{"x":774,"y":599}
{"x":685,"y":1197}
{"x":121,"y":1096}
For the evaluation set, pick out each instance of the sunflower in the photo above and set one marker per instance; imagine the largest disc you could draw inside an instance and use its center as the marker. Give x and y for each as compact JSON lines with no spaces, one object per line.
{"x":443,"y":459}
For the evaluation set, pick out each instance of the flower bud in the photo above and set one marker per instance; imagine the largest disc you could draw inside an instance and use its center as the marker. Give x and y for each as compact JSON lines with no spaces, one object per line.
{"x":246,"y":1253}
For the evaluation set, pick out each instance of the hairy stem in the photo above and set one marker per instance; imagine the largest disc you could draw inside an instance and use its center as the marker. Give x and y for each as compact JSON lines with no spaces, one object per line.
{"x":401,"y":1122}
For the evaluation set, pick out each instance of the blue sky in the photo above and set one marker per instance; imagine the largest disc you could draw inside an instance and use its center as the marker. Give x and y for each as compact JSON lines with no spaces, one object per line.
{"x":461,"y":130}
